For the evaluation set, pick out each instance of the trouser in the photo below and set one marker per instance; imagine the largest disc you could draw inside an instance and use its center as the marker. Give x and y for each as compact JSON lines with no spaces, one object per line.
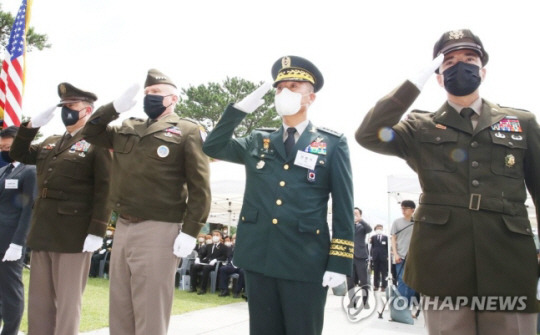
{"x":284,"y":307}
{"x":142,"y":269}
{"x":205,"y":270}
{"x":225,"y":272}
{"x":404,"y":289}
{"x":359,"y":277}
{"x":12,"y":295}
{"x":57,"y":282}
{"x":464,"y":321}
{"x":380,"y":273}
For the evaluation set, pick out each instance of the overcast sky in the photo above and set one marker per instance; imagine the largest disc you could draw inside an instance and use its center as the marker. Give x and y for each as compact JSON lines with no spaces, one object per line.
{"x":363,"y":48}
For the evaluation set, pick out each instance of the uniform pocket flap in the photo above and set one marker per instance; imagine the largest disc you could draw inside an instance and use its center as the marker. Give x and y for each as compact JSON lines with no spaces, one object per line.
{"x":518,"y":224}
{"x":313,"y":226}
{"x":73,"y":208}
{"x":249,"y":216}
{"x":508,"y":139}
{"x":432,"y":215}
{"x":437,"y":136}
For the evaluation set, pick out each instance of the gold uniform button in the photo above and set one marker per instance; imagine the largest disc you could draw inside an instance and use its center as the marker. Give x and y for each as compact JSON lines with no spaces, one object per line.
{"x":243,"y":218}
{"x":279,"y":202}
{"x":318,"y":231}
{"x":286,"y":166}
{"x":282,"y":183}
{"x":274,"y":221}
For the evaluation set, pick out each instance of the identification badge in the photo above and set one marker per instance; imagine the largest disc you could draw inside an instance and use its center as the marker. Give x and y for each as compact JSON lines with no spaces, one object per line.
{"x":162,"y":151}
{"x":306,"y":160}
{"x":12,"y":184}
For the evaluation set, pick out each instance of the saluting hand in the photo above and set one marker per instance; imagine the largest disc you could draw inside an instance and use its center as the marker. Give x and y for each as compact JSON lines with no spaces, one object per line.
{"x":42,"y":118}
{"x":420,"y":79}
{"x":127,"y":100}
{"x":253,"y":100}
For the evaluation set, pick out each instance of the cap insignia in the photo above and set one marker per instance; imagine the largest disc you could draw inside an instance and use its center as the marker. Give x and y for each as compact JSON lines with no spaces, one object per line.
{"x":62,"y":89}
{"x":456,"y":34}
{"x":285,"y":62}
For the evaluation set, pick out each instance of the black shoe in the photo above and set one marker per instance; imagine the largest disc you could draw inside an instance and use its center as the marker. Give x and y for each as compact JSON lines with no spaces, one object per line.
{"x":201,"y":292}
{"x":224,"y":293}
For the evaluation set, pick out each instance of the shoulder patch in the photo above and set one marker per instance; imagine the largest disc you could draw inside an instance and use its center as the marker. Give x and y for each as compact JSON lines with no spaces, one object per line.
{"x":330,"y":131}
{"x":266,"y":129}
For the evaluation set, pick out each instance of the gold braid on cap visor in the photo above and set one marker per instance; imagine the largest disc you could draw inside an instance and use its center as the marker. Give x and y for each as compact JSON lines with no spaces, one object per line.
{"x":294,"y":74}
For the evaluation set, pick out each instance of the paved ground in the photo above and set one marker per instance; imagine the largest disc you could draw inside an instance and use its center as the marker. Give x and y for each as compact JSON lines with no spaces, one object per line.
{"x":233,"y":319}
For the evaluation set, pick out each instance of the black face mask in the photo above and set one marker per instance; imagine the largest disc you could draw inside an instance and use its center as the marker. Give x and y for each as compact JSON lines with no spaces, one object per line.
{"x":153,"y":105}
{"x":462,"y":79}
{"x":6,"y":157}
{"x":69,"y":116}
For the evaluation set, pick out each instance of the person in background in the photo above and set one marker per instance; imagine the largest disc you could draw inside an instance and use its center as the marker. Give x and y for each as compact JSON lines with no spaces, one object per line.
{"x":379,"y":258}
{"x":360,"y":262}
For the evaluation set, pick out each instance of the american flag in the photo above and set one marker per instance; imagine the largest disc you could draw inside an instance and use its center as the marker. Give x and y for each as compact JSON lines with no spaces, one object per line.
{"x":12,"y":74}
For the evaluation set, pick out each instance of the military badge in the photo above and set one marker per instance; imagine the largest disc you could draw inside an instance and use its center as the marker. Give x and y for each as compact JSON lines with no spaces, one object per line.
{"x":62,"y":89}
{"x":440,"y":126}
{"x":500,"y":135}
{"x":311,"y":176}
{"x":516,"y":137}
{"x":509,"y":160}
{"x":455,"y":35}
{"x":202,"y":131}
{"x":49,"y":146}
{"x":163,"y":151}
{"x":266,"y":144}
{"x":260,"y":165}
{"x":80,"y":146}
{"x":285,"y":62}
{"x":508,"y":123}
{"x":173,"y":130}
{"x":317,"y":147}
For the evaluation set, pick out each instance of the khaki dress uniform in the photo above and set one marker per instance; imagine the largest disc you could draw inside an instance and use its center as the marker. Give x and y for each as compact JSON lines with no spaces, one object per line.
{"x":160,"y":178}
{"x":283,"y":239}
{"x":471,"y":235}
{"x":73,"y":185}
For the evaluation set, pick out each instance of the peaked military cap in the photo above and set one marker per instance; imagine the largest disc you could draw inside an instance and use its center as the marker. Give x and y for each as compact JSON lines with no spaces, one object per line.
{"x":155,"y":77}
{"x":69,"y":93}
{"x":294,"y":68}
{"x":460,"y":39}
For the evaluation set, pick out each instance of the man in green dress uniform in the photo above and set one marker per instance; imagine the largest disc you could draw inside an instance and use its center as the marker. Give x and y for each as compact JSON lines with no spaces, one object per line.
{"x":472,"y":243}
{"x":283,"y":239}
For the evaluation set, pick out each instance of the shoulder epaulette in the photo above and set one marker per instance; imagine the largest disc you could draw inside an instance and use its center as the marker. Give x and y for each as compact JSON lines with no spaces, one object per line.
{"x":191,"y":120}
{"x":136,"y":119}
{"x":519,"y":109}
{"x":330,"y":131}
{"x":266,"y":129}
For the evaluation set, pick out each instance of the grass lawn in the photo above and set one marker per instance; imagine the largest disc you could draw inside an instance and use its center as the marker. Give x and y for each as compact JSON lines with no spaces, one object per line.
{"x":95,"y":306}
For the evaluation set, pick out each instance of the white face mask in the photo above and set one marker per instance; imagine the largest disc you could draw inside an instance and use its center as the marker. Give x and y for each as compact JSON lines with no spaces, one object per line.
{"x":201,"y":240}
{"x":378,"y":231}
{"x":209,"y":241}
{"x":216,"y":239}
{"x":287,"y":102}
{"x":228,"y":244}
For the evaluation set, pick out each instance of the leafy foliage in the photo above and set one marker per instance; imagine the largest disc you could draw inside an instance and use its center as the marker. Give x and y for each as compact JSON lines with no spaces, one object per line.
{"x":33,"y":39}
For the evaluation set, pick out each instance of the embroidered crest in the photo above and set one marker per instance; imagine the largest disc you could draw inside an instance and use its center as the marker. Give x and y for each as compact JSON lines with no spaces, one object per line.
{"x":455,"y":34}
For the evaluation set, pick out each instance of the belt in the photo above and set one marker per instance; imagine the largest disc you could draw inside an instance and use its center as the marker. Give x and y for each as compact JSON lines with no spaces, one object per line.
{"x":131,"y":218}
{"x":474,"y":202}
{"x":47,"y":193}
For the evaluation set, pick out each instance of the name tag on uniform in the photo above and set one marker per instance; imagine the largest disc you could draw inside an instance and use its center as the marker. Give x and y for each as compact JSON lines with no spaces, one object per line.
{"x":12,"y":184}
{"x":306,"y":160}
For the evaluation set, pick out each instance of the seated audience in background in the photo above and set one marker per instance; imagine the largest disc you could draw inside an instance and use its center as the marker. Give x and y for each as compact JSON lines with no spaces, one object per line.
{"x":102,"y":252}
{"x":205,"y":263}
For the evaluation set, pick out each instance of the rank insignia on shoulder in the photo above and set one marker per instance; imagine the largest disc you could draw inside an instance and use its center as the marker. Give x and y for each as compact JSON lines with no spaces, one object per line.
{"x":508,"y":123}
{"x":330,"y":131}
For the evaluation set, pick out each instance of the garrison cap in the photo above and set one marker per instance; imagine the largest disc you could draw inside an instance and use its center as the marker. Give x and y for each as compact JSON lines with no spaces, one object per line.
{"x":294,"y":68}
{"x":460,"y":39}
{"x":69,"y":93}
{"x":155,"y":77}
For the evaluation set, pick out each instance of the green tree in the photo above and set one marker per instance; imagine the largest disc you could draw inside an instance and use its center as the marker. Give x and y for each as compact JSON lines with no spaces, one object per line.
{"x":33,"y":39}
{"x":205,"y":103}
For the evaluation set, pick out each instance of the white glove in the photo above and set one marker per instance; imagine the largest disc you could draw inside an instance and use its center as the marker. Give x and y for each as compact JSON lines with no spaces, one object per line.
{"x":197,"y":260}
{"x":92,"y":243}
{"x":422,"y":77}
{"x":333,"y":279}
{"x":43,"y":118}
{"x":184,"y":245}
{"x":253,"y":100}
{"x":127,"y":100}
{"x":213,"y":262}
{"x":537,"y":288}
{"x":13,"y":253}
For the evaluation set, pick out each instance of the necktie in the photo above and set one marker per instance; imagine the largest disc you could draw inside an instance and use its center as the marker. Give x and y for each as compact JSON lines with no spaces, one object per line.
{"x":467,"y":113}
{"x":7,"y":171}
{"x":379,"y":238}
{"x":289,"y":142}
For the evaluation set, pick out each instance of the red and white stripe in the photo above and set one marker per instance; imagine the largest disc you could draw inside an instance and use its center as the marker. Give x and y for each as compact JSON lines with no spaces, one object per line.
{"x":11,"y":86}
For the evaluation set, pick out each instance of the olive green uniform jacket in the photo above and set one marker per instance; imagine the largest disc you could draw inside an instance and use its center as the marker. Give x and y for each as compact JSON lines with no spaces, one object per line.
{"x":73,"y":185}
{"x":159,"y":170}
{"x":471,"y":234}
{"x":283,"y":230}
